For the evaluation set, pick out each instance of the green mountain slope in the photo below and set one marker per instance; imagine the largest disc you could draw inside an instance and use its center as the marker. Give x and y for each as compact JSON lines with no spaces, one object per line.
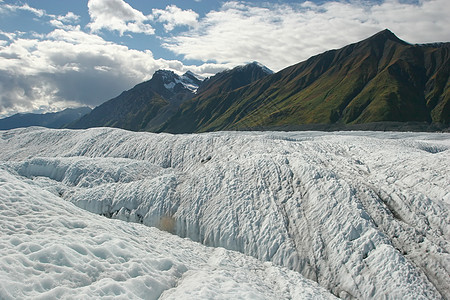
{"x":378,"y":79}
{"x":203,"y":107}
{"x":144,"y":107}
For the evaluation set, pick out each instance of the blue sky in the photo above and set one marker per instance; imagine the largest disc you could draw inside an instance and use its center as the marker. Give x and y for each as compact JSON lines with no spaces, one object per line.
{"x":56,"y":54}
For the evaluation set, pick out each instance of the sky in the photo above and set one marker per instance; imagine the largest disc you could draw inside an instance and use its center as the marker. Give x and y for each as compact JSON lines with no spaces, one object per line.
{"x":56,"y":54}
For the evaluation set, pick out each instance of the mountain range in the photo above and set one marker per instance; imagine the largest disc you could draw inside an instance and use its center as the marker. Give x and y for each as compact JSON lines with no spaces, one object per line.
{"x":380,"y":79}
{"x":375,"y":84}
{"x":49,"y":120}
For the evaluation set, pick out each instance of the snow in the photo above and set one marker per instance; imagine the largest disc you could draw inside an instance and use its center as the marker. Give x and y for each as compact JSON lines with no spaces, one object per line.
{"x":170,"y":85}
{"x":171,"y":80}
{"x":265,"y":69}
{"x":188,"y":81}
{"x":258,"y":64}
{"x":183,"y":80}
{"x":50,"y":248}
{"x":364,"y":214}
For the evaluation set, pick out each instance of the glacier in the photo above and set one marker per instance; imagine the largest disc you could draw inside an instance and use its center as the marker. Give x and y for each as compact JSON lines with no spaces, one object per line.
{"x":51,"y":249}
{"x":363,"y":214}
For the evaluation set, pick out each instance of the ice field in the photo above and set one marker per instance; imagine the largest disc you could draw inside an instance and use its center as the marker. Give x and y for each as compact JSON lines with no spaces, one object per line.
{"x":242,"y":215}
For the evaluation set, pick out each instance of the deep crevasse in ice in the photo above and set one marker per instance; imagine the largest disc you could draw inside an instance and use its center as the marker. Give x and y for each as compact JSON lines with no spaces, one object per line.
{"x":363,"y":214}
{"x":51,"y":249}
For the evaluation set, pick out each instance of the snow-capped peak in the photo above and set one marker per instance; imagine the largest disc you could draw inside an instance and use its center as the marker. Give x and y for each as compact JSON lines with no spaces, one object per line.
{"x":191,"y":81}
{"x":263,"y":67}
{"x":193,"y":75}
{"x":170,"y":80}
{"x":166,"y":75}
{"x":255,"y":64}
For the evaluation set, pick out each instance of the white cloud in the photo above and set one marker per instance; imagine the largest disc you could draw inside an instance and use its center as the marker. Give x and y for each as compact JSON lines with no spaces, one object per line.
{"x":9,"y":35}
{"x":37,"y":12}
{"x":67,"y":67}
{"x":65,"y":22}
{"x":24,"y":7}
{"x":71,"y":68}
{"x":174,"y":16}
{"x":55,"y":21}
{"x":281,"y":35}
{"x":117,"y":15}
{"x":70,"y":17}
{"x":41,"y":72}
{"x":58,"y":24}
{"x":424,"y":22}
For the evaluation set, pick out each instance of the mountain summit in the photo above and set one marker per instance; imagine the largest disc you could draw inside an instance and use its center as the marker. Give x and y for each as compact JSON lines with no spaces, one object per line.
{"x":213,"y":96}
{"x":235,"y":78}
{"x":174,"y":83}
{"x":380,"y":79}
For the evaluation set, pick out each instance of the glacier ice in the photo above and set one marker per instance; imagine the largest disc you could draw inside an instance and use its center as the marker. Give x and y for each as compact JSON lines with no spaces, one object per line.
{"x":51,"y":249}
{"x":364,"y":214}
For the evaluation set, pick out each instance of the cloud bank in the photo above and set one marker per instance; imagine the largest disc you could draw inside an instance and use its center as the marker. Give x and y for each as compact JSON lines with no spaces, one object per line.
{"x":279,"y":35}
{"x":117,"y":15}
{"x":72,"y":68}
{"x":24,"y":7}
{"x":173,"y":16}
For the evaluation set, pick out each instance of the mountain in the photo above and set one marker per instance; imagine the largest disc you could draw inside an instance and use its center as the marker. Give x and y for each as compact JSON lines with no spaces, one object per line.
{"x":380,"y":79}
{"x":146,"y":106}
{"x":375,"y":84}
{"x":49,"y":120}
{"x":207,"y":104}
{"x":149,"y":105}
{"x":235,"y":78}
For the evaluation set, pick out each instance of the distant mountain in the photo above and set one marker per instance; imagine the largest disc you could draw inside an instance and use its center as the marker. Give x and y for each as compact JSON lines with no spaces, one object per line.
{"x":380,"y":79}
{"x":146,"y":106}
{"x":149,"y":105}
{"x":49,"y":120}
